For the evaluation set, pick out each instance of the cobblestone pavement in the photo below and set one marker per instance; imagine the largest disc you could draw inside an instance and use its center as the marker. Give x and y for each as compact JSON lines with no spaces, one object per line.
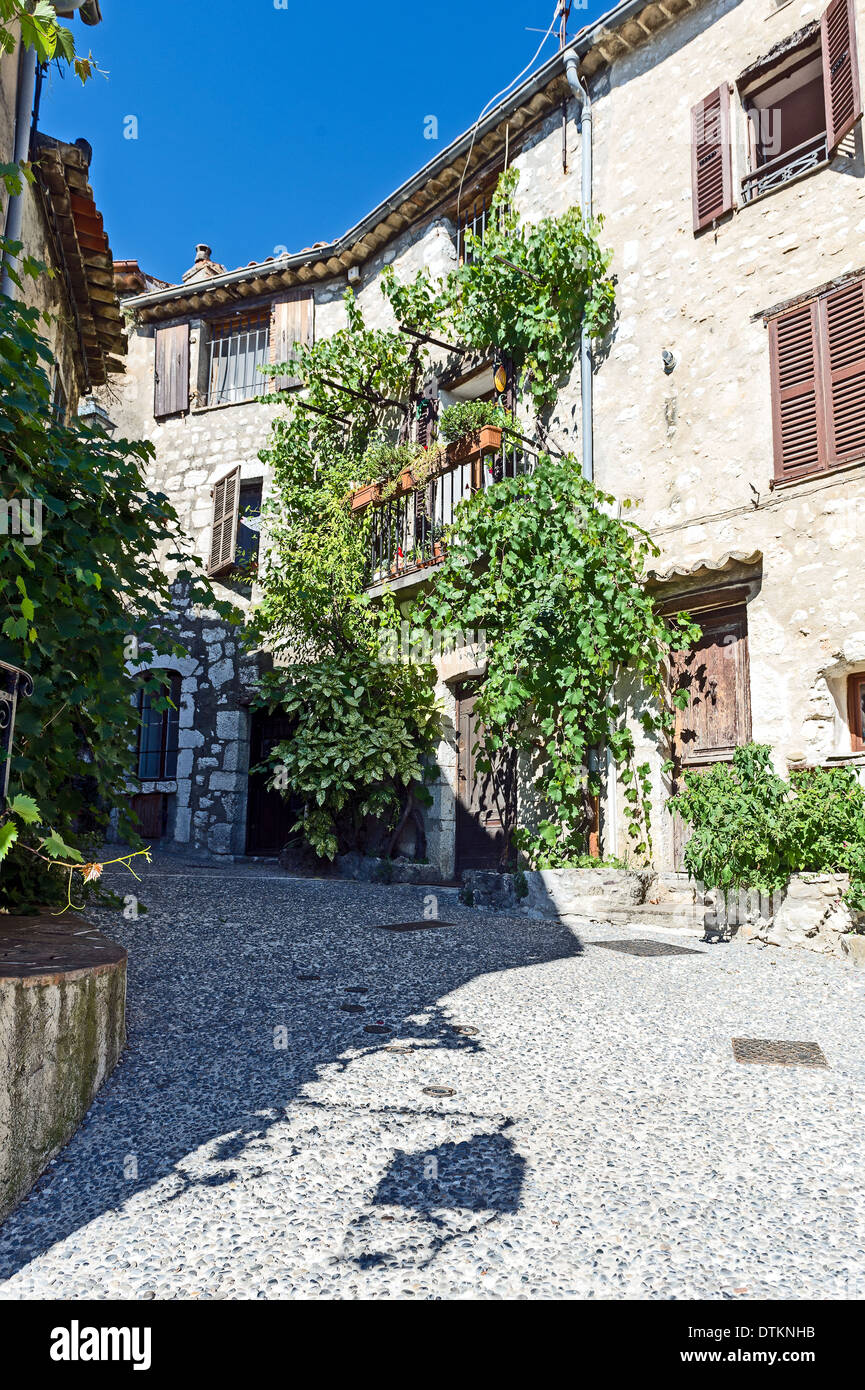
{"x":256,"y":1142}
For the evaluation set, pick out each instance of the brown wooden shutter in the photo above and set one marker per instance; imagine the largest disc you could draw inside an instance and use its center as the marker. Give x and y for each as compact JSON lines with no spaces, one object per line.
{"x":841,"y":89}
{"x":171,"y":372}
{"x":711,"y":158}
{"x":294,"y":322}
{"x":798,"y":416}
{"x":223,"y":542}
{"x":842,"y":316}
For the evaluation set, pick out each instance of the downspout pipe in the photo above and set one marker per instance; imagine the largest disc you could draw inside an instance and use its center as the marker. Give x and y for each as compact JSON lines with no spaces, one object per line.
{"x":584,"y":101}
{"x":27,"y":64}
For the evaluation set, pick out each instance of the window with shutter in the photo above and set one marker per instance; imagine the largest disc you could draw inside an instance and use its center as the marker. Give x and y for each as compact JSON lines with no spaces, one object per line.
{"x":711,"y":158}
{"x":797,"y":400}
{"x":843,"y":320}
{"x":817,"y":357}
{"x":293,"y":322}
{"x":238,"y":347}
{"x":226,"y":496}
{"x":840,"y":71}
{"x":171,"y":370}
{"x":856,"y":712}
{"x":784,"y":99}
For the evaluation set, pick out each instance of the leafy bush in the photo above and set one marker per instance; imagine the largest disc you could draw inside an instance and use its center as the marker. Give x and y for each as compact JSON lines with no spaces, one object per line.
{"x":752,"y":829}
{"x":76,"y":603}
{"x":554,"y":580}
{"x":363,"y":734}
{"x":465,"y":417}
{"x":526,"y":289}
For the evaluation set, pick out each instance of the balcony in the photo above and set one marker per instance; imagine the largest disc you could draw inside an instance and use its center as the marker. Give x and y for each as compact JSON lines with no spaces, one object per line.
{"x":408,"y":531}
{"x":785,"y":167}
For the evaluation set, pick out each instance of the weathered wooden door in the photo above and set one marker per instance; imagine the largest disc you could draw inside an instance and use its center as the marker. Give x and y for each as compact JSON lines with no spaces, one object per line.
{"x":486,"y":801}
{"x":718,"y":716}
{"x":269,"y":814}
{"x":149,"y":807}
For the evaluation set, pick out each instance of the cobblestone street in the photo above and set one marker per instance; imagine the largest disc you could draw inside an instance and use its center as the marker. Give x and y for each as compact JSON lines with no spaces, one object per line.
{"x":600,"y":1139}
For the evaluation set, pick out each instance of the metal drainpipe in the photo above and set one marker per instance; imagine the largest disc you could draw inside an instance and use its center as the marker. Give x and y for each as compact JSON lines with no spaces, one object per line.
{"x":584,"y":101}
{"x":21,"y":150}
{"x":572,"y":72}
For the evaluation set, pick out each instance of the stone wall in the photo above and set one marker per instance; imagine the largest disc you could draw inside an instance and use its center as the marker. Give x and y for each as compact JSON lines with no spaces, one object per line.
{"x":62,"y":1030}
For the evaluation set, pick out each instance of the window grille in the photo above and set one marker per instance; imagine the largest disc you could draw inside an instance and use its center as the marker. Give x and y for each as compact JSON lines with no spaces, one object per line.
{"x":238,"y":347}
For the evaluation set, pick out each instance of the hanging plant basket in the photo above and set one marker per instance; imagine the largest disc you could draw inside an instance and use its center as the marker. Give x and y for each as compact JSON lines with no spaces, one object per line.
{"x":487,"y":440}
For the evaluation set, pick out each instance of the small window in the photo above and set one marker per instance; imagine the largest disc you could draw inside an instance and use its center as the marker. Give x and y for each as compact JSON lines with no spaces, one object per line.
{"x":159,"y":730}
{"x":237,"y":348}
{"x":856,"y":704}
{"x":473,"y":215}
{"x":786,"y":108}
{"x":248,"y":529}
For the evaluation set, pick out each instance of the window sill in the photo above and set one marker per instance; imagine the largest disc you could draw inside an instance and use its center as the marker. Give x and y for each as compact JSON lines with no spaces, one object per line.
{"x":223,"y":405}
{"x":146,"y":786}
{"x":836,"y":471}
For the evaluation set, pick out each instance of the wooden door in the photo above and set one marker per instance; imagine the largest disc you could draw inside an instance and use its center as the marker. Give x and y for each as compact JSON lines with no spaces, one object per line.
{"x":269,"y":814}
{"x":718,"y":716}
{"x":486,"y":801}
{"x":149,"y":807}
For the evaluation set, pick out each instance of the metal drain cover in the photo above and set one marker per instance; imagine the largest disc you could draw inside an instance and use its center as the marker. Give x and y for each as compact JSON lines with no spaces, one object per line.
{"x":413,"y":926}
{"x":307,"y":977}
{"x":781,"y":1054}
{"x":399,"y":1047}
{"x":356,"y":989}
{"x":376,"y":1028}
{"x":353,"y":1008}
{"x":647,"y":948}
{"x":439,"y":1091}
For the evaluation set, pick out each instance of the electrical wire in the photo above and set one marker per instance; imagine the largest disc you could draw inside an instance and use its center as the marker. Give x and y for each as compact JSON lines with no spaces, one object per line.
{"x":502,"y":93}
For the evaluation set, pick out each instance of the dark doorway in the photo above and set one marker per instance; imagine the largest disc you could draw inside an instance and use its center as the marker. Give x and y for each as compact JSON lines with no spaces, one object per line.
{"x":486,"y":801}
{"x":269,"y":814}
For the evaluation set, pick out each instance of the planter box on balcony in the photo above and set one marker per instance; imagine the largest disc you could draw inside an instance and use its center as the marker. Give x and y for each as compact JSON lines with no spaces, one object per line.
{"x":487,"y":440}
{"x":365,"y":496}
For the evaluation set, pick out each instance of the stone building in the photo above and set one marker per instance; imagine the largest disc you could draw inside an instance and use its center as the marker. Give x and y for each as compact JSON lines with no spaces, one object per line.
{"x":728,"y":400}
{"x":56,"y":220}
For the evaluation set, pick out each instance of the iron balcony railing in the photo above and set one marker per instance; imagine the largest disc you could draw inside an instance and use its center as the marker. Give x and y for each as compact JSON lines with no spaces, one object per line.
{"x":789,"y":165}
{"x":408,"y":532}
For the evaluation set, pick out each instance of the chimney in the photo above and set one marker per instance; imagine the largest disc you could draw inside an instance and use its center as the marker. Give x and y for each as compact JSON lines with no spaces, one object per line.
{"x":203,"y":268}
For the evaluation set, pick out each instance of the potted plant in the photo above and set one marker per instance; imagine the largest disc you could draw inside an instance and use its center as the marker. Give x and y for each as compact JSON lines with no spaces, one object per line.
{"x":472,"y":429}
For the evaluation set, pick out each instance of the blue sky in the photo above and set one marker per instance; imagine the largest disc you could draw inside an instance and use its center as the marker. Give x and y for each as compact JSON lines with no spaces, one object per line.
{"x":262,"y":127}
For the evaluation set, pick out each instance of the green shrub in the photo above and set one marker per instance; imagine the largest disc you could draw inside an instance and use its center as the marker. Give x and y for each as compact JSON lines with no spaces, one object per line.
{"x":752,"y":829}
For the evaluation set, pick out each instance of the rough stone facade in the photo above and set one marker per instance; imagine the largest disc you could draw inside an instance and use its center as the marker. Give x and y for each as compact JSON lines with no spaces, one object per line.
{"x":691,"y":446}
